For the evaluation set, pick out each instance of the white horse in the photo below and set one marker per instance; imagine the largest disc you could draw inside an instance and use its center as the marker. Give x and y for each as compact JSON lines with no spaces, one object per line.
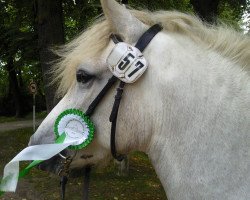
{"x":190,"y":111}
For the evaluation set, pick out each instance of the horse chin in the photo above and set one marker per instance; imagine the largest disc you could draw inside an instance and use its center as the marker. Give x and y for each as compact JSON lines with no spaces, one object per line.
{"x":79,"y":164}
{"x":53,"y":165}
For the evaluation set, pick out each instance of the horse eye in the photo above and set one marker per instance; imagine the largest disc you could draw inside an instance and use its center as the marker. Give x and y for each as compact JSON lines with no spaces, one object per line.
{"x":83,"y":77}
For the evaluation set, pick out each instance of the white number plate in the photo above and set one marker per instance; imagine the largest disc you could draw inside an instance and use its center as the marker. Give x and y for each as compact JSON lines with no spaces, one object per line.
{"x":126,"y":62}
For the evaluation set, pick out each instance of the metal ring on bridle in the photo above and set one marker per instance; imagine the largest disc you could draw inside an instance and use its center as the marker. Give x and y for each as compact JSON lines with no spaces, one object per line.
{"x":62,"y":156}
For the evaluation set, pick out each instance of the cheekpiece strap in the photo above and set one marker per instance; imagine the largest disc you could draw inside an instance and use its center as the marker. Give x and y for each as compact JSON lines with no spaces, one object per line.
{"x":142,"y":43}
{"x":100,"y":96}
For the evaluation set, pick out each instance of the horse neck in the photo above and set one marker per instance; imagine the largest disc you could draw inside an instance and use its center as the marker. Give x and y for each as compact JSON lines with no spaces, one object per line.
{"x":197,"y":92}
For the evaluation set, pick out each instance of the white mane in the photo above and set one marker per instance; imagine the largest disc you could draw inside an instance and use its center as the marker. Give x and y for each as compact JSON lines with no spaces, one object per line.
{"x":229,"y":43}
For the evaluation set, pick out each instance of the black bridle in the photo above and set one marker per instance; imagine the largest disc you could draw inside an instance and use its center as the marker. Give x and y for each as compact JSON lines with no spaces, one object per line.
{"x":141,"y":44}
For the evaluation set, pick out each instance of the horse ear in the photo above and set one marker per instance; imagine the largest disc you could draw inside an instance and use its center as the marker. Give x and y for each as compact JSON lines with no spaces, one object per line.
{"x":122,"y":21}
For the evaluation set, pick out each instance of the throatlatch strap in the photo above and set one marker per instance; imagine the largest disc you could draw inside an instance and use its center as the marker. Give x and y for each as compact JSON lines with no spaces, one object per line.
{"x":141,"y":44}
{"x":113,"y":120}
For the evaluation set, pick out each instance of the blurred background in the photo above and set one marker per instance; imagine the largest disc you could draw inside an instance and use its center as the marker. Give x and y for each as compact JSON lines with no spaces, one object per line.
{"x":29,"y":27}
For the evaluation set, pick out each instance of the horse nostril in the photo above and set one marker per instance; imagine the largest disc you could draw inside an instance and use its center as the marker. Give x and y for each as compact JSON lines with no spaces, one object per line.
{"x":41,"y":166}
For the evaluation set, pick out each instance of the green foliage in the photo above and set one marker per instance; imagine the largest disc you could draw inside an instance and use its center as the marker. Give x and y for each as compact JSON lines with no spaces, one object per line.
{"x":78,"y":15}
{"x":19,"y":40}
{"x":231,"y":12}
{"x":17,"y":31}
{"x":246,"y":18}
{"x":181,"y":5}
{"x":17,"y":37}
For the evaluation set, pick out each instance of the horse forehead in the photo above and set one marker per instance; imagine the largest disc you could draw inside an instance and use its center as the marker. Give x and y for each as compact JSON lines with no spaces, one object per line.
{"x":97,"y":63}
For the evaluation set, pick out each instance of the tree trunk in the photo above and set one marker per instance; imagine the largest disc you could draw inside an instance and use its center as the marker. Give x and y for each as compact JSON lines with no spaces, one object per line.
{"x":14,"y":88}
{"x":20,"y":78}
{"x":207,"y":10}
{"x":50,"y":33}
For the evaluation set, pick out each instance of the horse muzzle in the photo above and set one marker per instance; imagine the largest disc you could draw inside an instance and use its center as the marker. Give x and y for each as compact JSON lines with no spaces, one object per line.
{"x":60,"y":164}
{"x":53,"y":165}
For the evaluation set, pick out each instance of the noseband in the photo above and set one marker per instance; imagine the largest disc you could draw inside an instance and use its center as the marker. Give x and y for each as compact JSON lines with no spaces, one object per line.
{"x":141,"y":44}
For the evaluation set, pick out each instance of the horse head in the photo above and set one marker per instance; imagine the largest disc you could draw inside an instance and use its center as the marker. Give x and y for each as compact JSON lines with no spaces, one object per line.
{"x":90,"y":64}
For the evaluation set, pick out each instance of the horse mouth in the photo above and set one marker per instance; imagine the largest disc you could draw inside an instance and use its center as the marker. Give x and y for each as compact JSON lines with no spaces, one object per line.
{"x":58,"y":163}
{"x":53,"y":165}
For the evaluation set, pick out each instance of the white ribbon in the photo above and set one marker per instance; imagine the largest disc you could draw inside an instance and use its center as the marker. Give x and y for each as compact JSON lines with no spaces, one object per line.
{"x":36,"y":152}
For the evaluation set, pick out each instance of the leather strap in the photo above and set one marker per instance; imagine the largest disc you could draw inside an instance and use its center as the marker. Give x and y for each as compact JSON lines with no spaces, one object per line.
{"x":146,"y":38}
{"x":116,"y":38}
{"x":142,"y":43}
{"x":63,"y":183}
{"x":86,"y":182}
{"x":113,"y":119}
{"x":99,"y":97}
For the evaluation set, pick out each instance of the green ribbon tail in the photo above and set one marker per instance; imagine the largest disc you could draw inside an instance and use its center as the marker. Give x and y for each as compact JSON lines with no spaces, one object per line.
{"x":27,"y":169}
{"x":36,"y":162}
{"x":61,"y":138}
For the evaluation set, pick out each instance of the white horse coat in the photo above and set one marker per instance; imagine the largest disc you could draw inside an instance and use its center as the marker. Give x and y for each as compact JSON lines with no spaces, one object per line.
{"x":189,"y":112}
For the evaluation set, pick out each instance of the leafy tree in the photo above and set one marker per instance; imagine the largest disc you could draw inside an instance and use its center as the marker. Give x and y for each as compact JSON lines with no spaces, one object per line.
{"x":78,"y":15}
{"x":15,"y":37}
{"x":206,"y":9}
{"x":245,"y":23}
{"x":22,"y":55}
{"x":182,"y":5}
{"x":231,"y":11}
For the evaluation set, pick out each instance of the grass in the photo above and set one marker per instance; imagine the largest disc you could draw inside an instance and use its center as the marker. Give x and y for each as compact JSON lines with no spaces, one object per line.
{"x":141,"y":183}
{"x":29,"y":116}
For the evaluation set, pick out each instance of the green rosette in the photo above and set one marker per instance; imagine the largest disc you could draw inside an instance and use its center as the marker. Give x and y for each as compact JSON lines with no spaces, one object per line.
{"x":76,"y":125}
